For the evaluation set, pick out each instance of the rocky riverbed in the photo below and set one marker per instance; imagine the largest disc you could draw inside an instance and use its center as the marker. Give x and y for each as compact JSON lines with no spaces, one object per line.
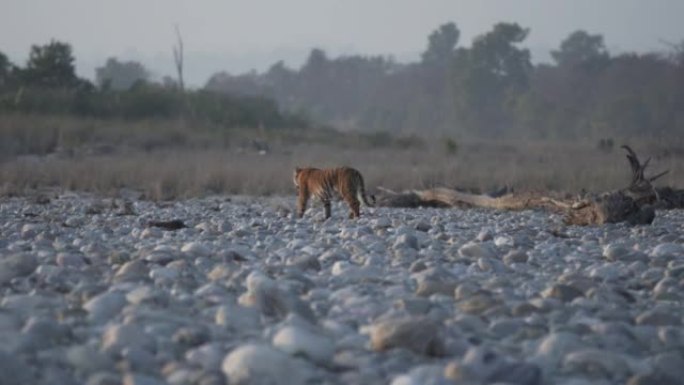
{"x":244,"y":293}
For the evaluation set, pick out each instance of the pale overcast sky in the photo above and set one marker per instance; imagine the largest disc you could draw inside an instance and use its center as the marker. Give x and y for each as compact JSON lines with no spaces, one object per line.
{"x":240,"y":35}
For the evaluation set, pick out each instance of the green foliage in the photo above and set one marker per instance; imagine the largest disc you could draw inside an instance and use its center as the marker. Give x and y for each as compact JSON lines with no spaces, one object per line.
{"x":487,"y":90}
{"x":582,"y":50}
{"x":496,"y":57}
{"x":120,"y":75}
{"x":50,"y":65}
{"x":149,"y":101}
{"x":489,"y":75}
{"x":48,"y":85}
{"x":5,"y":70}
{"x":441,"y":45}
{"x":605,"y":144}
{"x":450,"y":146}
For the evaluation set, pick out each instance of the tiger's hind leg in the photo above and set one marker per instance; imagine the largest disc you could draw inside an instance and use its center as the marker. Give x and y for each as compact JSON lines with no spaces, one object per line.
{"x":354,"y":205}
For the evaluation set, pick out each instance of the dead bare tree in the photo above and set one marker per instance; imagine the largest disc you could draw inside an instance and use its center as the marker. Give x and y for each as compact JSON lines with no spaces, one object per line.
{"x":178,"y":59}
{"x":633,"y":204}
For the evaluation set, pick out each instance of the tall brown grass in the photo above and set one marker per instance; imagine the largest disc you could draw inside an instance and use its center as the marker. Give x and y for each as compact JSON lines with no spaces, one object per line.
{"x":209,"y":160}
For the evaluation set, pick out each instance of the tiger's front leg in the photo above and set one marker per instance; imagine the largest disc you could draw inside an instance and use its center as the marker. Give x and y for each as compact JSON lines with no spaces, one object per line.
{"x":302,"y":198}
{"x":326,"y":205}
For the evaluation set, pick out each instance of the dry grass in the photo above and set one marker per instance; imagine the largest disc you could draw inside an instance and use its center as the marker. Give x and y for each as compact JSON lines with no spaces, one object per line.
{"x":178,"y":173}
{"x":173,"y":159}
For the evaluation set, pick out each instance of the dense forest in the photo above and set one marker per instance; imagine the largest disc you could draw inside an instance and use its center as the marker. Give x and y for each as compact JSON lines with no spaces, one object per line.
{"x":48,"y":85}
{"x":490,"y":89}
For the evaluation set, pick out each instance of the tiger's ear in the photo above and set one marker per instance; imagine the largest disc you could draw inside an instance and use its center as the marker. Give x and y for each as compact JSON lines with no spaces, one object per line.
{"x":298,"y":169}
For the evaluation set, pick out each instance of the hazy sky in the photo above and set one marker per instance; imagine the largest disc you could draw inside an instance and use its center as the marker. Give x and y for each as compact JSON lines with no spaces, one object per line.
{"x":240,"y":35}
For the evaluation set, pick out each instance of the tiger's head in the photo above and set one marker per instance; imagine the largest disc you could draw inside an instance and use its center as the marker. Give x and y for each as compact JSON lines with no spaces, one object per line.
{"x":295,"y":177}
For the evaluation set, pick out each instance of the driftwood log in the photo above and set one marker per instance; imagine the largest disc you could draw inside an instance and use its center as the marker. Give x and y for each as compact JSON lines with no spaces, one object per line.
{"x":634,"y":204}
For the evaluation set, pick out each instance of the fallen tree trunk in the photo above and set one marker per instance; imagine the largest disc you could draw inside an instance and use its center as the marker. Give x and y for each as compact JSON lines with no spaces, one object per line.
{"x":444,"y":197}
{"x":634,"y":204}
{"x":669,"y":198}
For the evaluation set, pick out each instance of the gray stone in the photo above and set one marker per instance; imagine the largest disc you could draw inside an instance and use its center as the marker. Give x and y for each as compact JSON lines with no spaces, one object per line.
{"x":668,"y":250}
{"x":164,"y":273}
{"x":565,"y":293}
{"x":104,"y":378}
{"x":34,"y":304}
{"x":305,"y":262}
{"x":423,"y":375}
{"x":41,"y":333}
{"x":479,"y":303}
{"x":141,"y":379}
{"x":413,"y":306}
{"x":14,"y":370}
{"x":653,"y":379}
{"x":135,"y":359}
{"x":381,"y":223}
{"x":88,"y":360}
{"x":196,"y":249}
{"x":406,"y":241}
{"x":419,"y":334}
{"x":503,"y":328}
{"x":120,"y":336}
{"x":131,"y":271}
{"x":481,"y":365}
{"x":616,"y":252}
{"x":478,"y":250}
{"x":300,"y":341}
{"x":670,"y":364}
{"x":145,"y":294}
{"x":271,"y":299}
{"x":239,"y":318}
{"x":485,"y":235}
{"x":207,"y":356}
{"x":16,"y":265}
{"x":554,"y":347}
{"x":491,"y":265}
{"x":597,"y":364}
{"x":515,"y":256}
{"x":70,"y":260}
{"x":435,"y":280}
{"x":262,"y":365}
{"x":104,"y":307}
{"x":659,"y":317}
{"x":671,"y":336}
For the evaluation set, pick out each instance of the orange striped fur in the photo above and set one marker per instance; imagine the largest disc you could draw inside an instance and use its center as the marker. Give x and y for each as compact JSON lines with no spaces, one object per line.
{"x":324,"y":183}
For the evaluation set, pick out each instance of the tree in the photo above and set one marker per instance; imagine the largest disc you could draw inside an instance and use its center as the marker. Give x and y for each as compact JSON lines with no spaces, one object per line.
{"x":4,"y":69}
{"x":441,"y":45}
{"x":51,"y":65}
{"x":316,"y":63}
{"x":496,"y":54}
{"x":120,"y":75}
{"x":582,"y":50}
{"x":489,"y":75}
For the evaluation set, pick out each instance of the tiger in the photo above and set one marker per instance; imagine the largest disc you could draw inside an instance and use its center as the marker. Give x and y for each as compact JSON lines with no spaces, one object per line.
{"x":323,"y":183}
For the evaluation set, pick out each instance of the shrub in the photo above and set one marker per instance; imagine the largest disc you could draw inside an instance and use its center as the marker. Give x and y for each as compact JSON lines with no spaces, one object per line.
{"x":605,"y":145}
{"x":450,"y":146}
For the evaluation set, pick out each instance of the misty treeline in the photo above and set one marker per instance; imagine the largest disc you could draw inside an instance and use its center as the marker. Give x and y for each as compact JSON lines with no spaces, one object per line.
{"x":490,"y":89}
{"x":48,"y":85}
